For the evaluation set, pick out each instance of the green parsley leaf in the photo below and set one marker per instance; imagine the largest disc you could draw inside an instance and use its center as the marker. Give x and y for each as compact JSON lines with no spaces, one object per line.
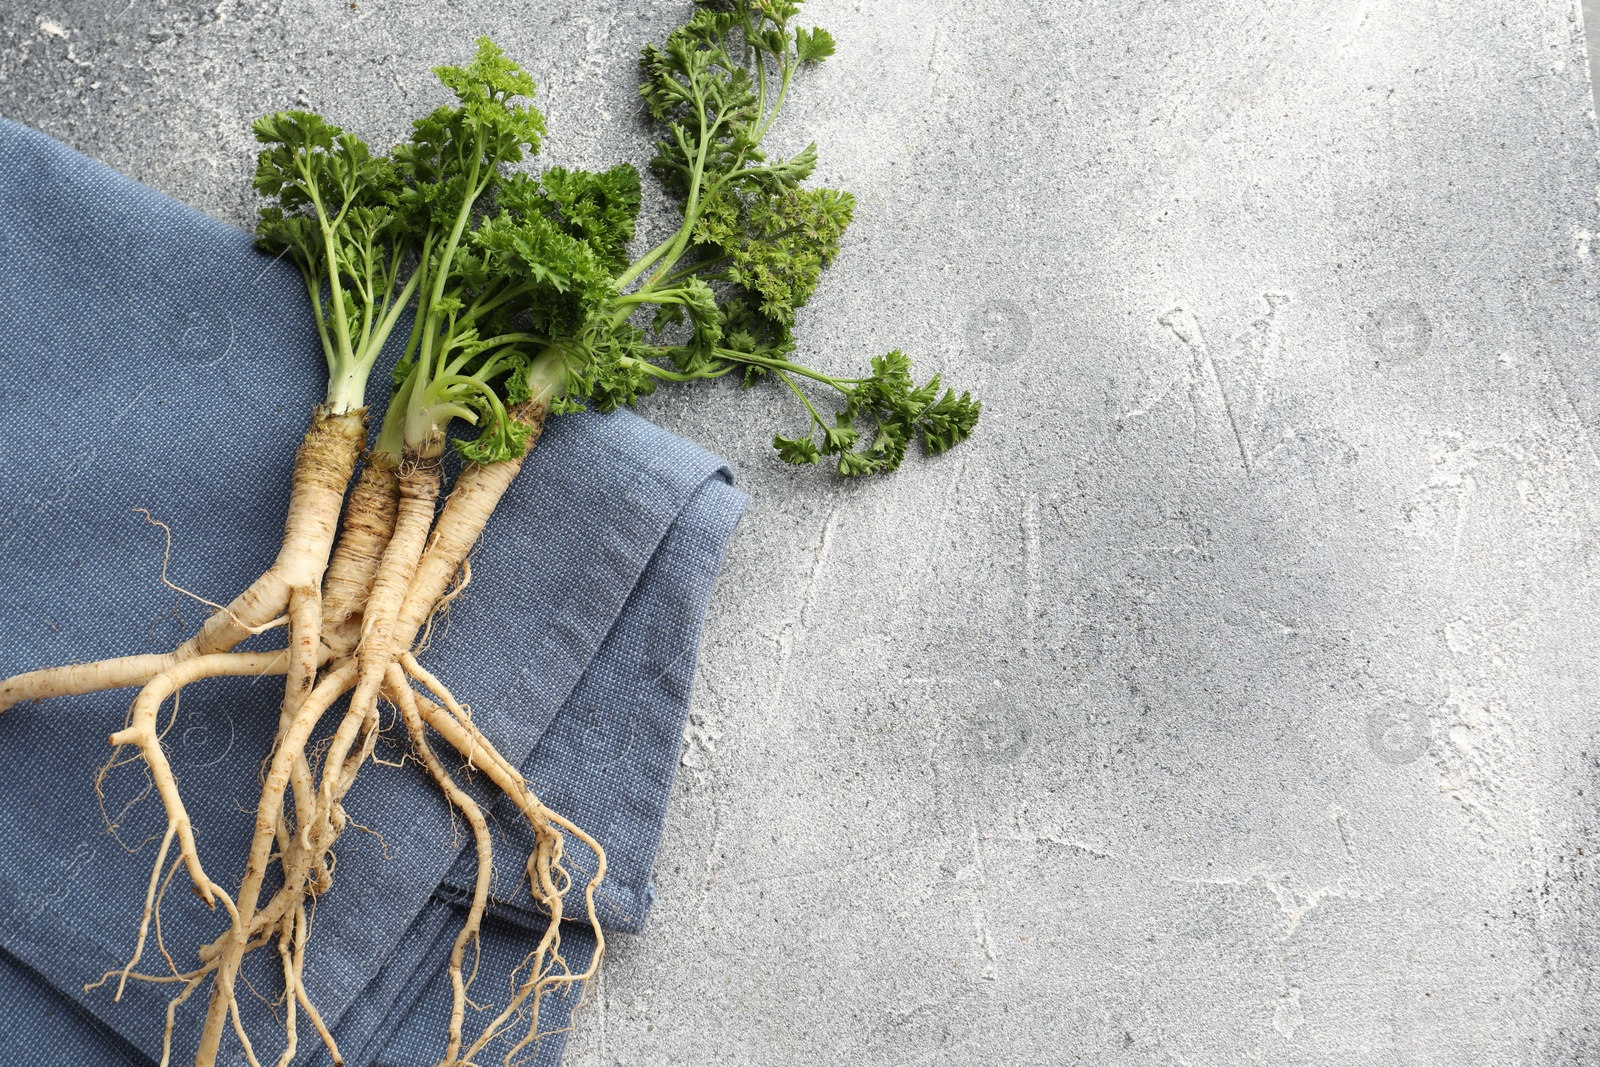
{"x":798,"y":451}
{"x":813,"y":46}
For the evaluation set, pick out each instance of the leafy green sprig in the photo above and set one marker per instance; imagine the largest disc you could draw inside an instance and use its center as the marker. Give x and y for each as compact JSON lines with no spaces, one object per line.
{"x":748,"y":253}
{"x":496,"y":273}
{"x":335,"y":212}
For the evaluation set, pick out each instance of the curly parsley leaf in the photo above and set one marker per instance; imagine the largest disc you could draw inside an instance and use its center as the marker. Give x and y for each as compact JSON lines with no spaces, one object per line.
{"x":493,"y":274}
{"x":721,"y":293}
{"x":333,"y":210}
{"x":814,"y":45}
{"x":599,"y":208}
{"x":755,"y":240}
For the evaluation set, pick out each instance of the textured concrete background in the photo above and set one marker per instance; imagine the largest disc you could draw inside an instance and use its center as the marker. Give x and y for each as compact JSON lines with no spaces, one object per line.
{"x":1229,"y":699}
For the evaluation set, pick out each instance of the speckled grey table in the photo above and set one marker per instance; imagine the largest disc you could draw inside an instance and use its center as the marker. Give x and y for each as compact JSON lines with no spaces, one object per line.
{"x":1230,"y":699}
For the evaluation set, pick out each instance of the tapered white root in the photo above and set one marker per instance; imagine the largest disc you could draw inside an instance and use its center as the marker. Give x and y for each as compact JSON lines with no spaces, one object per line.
{"x":82,"y":678}
{"x":323,"y":466}
{"x":452,"y":723}
{"x":400,"y":691}
{"x":141,"y":733}
{"x":291,"y":1027}
{"x":472,"y":500}
{"x":302,"y":931}
{"x":333,"y":685}
{"x":305,"y":608}
{"x":149,"y":907}
{"x":419,"y":489}
{"x":364,"y":534}
{"x":191,"y":983}
{"x":549,"y":879}
{"x":284,"y":919}
{"x":387,"y":580}
{"x":244,"y":935}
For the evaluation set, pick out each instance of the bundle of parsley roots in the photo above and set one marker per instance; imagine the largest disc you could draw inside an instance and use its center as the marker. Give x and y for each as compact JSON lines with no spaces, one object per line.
{"x":525,"y":303}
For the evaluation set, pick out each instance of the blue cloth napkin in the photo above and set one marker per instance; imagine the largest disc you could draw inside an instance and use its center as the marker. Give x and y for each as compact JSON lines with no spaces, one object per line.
{"x":152,"y":359}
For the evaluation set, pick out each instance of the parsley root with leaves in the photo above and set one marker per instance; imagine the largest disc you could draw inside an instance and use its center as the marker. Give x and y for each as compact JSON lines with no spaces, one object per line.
{"x":525,"y":304}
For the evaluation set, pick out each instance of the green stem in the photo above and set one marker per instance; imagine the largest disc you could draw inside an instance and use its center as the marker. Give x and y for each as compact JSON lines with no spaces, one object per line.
{"x":314,"y":287}
{"x":514,"y":338}
{"x":843,"y":385}
{"x":483,"y":305}
{"x":691,"y":205}
{"x":675,"y":376}
{"x":395,"y":306}
{"x":761,"y":64}
{"x":446,"y":256}
{"x":643,"y":263}
{"x":470,"y":382}
{"x":368,"y":286}
{"x":783,"y":91}
{"x":335,"y":291}
{"x":652,"y":296}
{"x":795,"y":389}
{"x":391,"y":435}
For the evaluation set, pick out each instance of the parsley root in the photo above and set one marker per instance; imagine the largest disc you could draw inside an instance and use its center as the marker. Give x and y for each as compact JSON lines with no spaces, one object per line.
{"x":322,"y":469}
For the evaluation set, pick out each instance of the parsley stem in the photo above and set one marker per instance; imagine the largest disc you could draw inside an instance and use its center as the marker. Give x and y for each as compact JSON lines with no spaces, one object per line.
{"x":842,"y":384}
{"x":666,"y":375}
{"x":795,"y":389}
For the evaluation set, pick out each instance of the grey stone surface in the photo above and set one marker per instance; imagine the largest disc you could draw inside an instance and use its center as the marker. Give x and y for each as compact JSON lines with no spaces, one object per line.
{"x":1230,"y":698}
{"x":1591,"y":22}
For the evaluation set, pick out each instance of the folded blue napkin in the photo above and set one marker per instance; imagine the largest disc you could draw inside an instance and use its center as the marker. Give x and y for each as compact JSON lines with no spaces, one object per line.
{"x":152,"y":359}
